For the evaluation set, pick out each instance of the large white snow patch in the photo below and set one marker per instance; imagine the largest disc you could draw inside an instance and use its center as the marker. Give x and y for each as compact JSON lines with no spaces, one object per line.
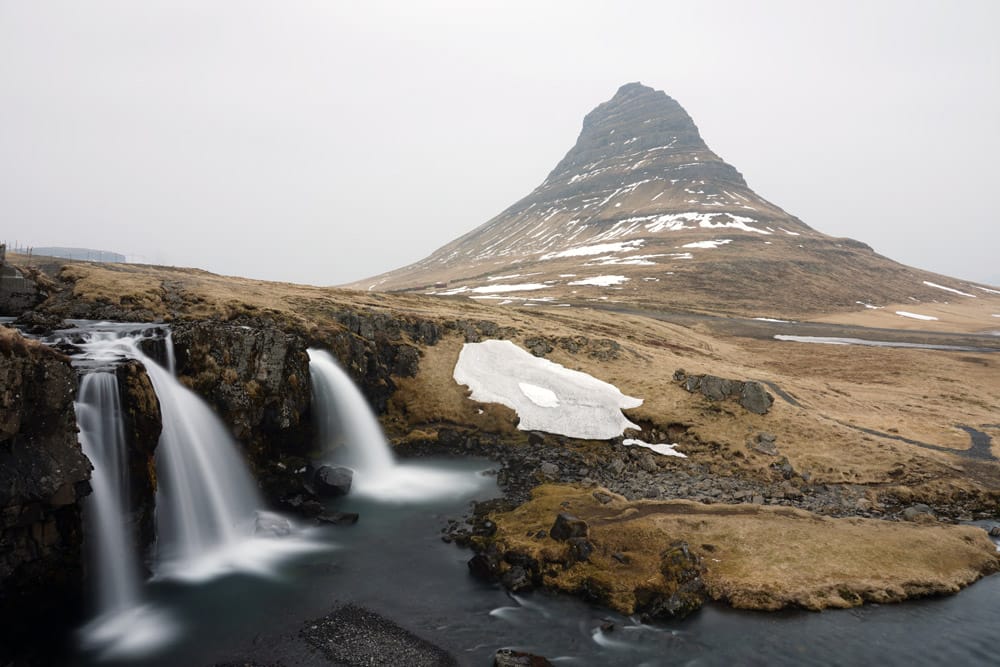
{"x":546,"y":396}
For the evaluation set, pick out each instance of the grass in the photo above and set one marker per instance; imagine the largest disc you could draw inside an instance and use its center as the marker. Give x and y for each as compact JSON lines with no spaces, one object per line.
{"x":755,"y":557}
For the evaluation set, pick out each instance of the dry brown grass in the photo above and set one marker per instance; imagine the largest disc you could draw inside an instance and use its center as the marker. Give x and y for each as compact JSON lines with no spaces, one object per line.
{"x":920,"y":394}
{"x":755,"y":557}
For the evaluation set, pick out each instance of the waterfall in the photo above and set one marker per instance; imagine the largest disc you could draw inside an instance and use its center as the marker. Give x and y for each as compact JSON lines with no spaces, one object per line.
{"x":207,"y":505}
{"x":343,"y":413}
{"x":206,"y":499}
{"x":352,"y":436}
{"x":102,"y":437}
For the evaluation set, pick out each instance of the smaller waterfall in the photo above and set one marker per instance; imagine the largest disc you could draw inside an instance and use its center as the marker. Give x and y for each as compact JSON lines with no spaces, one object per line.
{"x":345,"y":414}
{"x":123,"y":625}
{"x":102,"y":437}
{"x":345,"y":418}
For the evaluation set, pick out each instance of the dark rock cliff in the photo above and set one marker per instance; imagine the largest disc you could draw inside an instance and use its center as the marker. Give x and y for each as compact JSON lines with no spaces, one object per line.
{"x":143,"y":424}
{"x":255,"y":377}
{"x":43,"y":477}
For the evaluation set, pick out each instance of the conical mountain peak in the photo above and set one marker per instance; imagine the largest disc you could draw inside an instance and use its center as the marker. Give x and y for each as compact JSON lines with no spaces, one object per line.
{"x":636,"y":119}
{"x":641,"y":211}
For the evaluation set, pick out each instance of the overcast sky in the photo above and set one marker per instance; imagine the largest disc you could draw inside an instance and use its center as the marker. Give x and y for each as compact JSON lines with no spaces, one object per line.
{"x":324,"y":142}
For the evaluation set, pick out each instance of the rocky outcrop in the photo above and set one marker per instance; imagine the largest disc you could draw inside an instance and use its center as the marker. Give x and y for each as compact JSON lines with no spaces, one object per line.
{"x":143,"y":424}
{"x":621,"y":570}
{"x":18,"y":292}
{"x":255,"y":377}
{"x":749,"y":394}
{"x":43,"y":477}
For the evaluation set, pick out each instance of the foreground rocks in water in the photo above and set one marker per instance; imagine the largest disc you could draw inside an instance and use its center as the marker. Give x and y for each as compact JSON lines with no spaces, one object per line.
{"x":663,"y":559}
{"x":331,"y":481}
{"x":507,"y":657}
{"x":43,"y":478}
{"x":352,"y":635}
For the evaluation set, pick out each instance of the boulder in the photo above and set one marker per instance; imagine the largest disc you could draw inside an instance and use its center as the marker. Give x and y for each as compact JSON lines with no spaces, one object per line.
{"x":567,"y":527}
{"x":764,"y":443}
{"x":508,"y":657}
{"x":681,"y":591}
{"x":331,"y":481}
{"x":755,"y":398}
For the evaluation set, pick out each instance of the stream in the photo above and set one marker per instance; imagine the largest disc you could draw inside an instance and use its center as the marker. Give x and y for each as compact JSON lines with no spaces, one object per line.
{"x":393,"y":562}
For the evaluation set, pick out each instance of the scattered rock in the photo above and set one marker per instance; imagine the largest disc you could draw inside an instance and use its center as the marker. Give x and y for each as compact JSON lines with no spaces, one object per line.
{"x":602,"y":497}
{"x":549,"y":469}
{"x":995,"y":531}
{"x":580,"y":550}
{"x":918,"y":512}
{"x":507,"y":657}
{"x":338,"y":518}
{"x":333,"y":481}
{"x":764,"y":443}
{"x":485,"y":566}
{"x":538,"y":346}
{"x":567,"y":527}
{"x":516,"y":579}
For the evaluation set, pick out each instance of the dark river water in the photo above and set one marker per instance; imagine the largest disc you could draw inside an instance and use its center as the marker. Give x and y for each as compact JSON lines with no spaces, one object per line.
{"x":394,"y":562}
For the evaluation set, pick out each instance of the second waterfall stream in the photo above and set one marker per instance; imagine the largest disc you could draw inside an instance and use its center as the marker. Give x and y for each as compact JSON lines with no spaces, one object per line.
{"x":352,"y":436}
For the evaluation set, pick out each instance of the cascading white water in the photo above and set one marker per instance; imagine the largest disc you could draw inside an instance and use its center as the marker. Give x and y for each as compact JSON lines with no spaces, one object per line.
{"x":206,"y":502}
{"x":206,"y":499}
{"x":352,"y":435}
{"x":102,"y":437}
{"x":344,"y":413}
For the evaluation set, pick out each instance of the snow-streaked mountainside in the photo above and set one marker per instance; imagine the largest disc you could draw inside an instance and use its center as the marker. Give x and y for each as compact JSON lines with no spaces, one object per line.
{"x":641,"y":211}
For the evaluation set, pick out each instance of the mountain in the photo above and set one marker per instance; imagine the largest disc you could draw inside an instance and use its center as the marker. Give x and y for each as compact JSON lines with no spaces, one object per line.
{"x":641,"y":212}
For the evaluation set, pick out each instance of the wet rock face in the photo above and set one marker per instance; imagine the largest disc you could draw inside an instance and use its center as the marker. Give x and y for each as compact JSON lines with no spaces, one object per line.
{"x":43,"y":478}
{"x":143,"y":424}
{"x":255,"y":377}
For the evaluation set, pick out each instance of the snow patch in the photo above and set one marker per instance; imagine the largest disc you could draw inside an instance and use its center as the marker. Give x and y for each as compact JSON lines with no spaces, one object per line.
{"x":986,"y":289}
{"x":497,"y":371}
{"x":707,"y":244}
{"x":662,"y":449}
{"x":493,"y":289}
{"x":868,"y":305}
{"x":771,"y":319}
{"x":600,"y":281}
{"x":948,"y":289}
{"x":540,"y":396}
{"x":599,"y":249}
{"x":915,"y":316}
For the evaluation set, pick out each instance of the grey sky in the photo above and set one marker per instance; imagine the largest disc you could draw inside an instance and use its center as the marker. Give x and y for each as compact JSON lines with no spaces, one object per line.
{"x":323,"y":142}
